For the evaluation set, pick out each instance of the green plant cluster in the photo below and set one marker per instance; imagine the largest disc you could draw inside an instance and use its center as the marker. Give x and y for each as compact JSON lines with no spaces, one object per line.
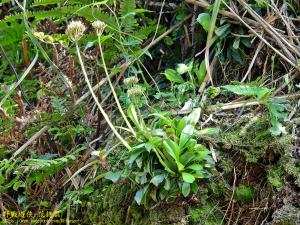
{"x":167,"y":159}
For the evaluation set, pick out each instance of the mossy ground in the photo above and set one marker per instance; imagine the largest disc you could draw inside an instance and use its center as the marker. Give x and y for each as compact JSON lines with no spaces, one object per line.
{"x":250,"y":172}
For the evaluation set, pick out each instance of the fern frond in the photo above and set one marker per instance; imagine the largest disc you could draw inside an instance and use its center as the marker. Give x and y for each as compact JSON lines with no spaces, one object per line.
{"x":127,"y":15}
{"x":69,"y":2}
{"x":32,"y":165}
{"x":5,"y":1}
{"x":90,"y":13}
{"x":9,"y":36}
{"x":144,"y":32}
{"x":12,"y":26}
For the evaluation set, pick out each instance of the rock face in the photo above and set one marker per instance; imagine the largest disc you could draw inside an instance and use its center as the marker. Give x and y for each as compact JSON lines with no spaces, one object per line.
{"x":115,"y":207}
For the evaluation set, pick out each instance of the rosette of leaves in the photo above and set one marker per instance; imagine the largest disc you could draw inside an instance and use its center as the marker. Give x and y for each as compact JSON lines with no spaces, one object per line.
{"x":167,"y":160}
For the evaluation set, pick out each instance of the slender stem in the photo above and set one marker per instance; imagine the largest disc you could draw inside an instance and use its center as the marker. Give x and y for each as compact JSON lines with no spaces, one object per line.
{"x":98,"y":103}
{"x":113,"y":90}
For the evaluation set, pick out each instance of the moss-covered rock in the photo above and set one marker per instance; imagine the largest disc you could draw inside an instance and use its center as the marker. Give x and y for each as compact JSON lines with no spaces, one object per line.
{"x":169,"y":216}
{"x":113,"y":204}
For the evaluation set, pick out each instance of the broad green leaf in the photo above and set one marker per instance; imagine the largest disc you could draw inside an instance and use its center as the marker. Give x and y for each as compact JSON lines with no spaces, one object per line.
{"x":163,"y":193}
{"x":181,"y":125}
{"x":167,"y":185}
{"x":246,"y":42}
{"x":153,"y":194}
{"x":207,"y":131}
{"x":277,"y":128}
{"x":191,"y":144}
{"x":164,"y":119}
{"x":154,"y":141}
{"x":201,"y":72}
{"x":236,"y":43}
{"x":237,"y":55}
{"x":180,"y":166}
{"x":202,"y":154}
{"x":113,"y":176}
{"x":187,"y":157}
{"x":245,"y":90}
{"x":186,"y":188}
{"x":186,"y":135}
{"x":194,"y":187}
{"x":277,"y":107}
{"x":187,"y":177}
{"x":133,"y":116}
{"x":194,"y":116}
{"x":199,"y":176}
{"x":17,"y":185}
{"x":2,"y":179}
{"x":157,"y":179}
{"x":223,"y":31}
{"x":172,"y":148}
{"x":204,"y":19}
{"x":139,"y":196}
{"x":165,"y":164}
{"x":183,"y":68}
{"x":134,"y":153}
{"x":173,"y":76}
{"x":196,"y":167}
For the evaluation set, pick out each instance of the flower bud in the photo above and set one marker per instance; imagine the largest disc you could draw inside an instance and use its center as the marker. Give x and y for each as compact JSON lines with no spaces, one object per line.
{"x":130,"y":81}
{"x":99,"y":27}
{"x":135,"y":91}
{"x":75,"y":30}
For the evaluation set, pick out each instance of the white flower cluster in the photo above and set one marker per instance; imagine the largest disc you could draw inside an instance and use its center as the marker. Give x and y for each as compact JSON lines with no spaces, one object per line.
{"x":75,"y":30}
{"x":99,"y":27}
{"x":135,"y":92}
{"x":130,"y":81}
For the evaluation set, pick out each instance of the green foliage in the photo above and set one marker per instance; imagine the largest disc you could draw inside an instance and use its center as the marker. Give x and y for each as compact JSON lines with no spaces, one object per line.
{"x":39,"y":169}
{"x":228,"y":47}
{"x":276,"y":107}
{"x":173,"y":76}
{"x":245,"y":194}
{"x":275,"y":177}
{"x":262,"y":3}
{"x":204,"y":19}
{"x":51,"y":2}
{"x":13,"y":25}
{"x":8,"y":175}
{"x":261,"y":93}
{"x":193,"y":72}
{"x":252,"y":138}
{"x":111,"y":204}
{"x":127,"y":11}
{"x":167,"y":160}
{"x":208,"y":214}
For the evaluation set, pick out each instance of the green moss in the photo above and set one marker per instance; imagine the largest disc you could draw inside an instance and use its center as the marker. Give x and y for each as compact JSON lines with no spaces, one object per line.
{"x":252,"y":138}
{"x":226,"y":162}
{"x":218,"y":188}
{"x":161,"y":216}
{"x":245,"y":194}
{"x":275,"y":177}
{"x":208,"y":214}
{"x":286,"y":222}
{"x":112,"y":204}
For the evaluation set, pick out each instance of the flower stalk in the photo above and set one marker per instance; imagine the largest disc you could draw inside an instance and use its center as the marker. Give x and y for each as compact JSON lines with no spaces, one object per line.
{"x":75,"y":31}
{"x":99,"y":27}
